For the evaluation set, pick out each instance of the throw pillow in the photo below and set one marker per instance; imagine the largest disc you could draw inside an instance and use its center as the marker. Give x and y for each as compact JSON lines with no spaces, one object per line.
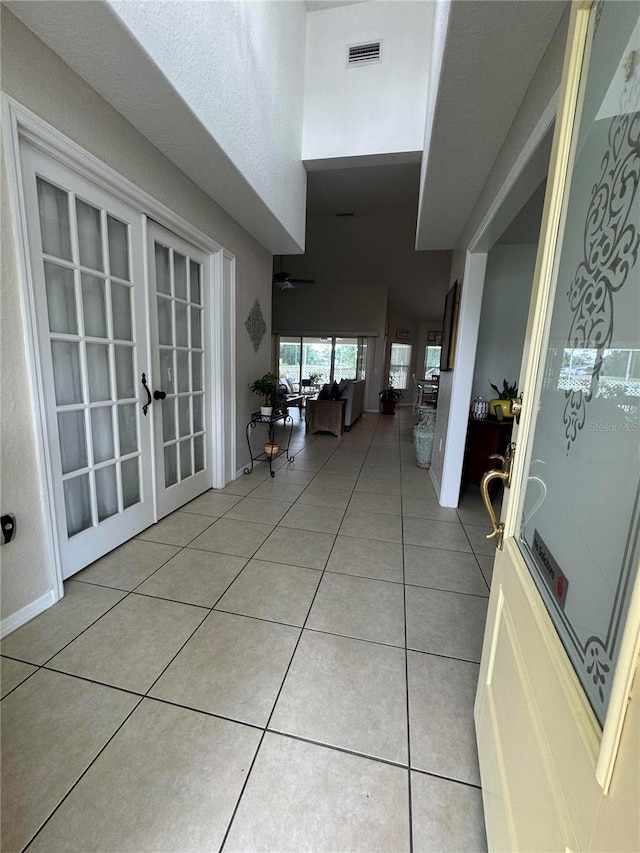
{"x":343,"y":387}
{"x":335,"y":391}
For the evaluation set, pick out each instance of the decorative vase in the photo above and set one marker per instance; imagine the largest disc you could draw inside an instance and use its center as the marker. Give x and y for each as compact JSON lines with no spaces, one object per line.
{"x":505,"y":405}
{"x":271,"y":450}
{"x":266,"y":412}
{"x":479,"y":409}
{"x":423,"y":439}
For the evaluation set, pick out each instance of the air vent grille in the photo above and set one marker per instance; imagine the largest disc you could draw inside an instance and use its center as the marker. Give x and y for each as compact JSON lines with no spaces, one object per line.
{"x":360,"y":54}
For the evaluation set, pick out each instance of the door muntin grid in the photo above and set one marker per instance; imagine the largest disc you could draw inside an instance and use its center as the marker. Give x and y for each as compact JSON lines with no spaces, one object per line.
{"x":88,"y":284}
{"x":181,"y":358}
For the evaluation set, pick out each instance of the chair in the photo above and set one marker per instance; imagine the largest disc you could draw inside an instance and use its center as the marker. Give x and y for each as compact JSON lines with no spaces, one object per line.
{"x":419,"y":392}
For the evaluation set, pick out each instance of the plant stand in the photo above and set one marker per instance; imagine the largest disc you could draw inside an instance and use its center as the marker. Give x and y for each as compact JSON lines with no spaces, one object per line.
{"x":269,"y":422}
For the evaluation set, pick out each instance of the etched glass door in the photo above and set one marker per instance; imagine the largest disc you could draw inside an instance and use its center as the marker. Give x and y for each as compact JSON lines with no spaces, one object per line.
{"x":579,"y":522}
{"x":88,"y":281}
{"x":180,"y":369}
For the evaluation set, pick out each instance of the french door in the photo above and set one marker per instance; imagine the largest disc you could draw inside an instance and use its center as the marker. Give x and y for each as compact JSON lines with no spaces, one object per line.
{"x":115,"y":462}
{"x":179,"y":329}
{"x":557,"y":730}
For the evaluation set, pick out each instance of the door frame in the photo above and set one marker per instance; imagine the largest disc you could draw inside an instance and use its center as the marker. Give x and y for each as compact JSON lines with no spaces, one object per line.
{"x":528,"y":170}
{"x":20,"y":123}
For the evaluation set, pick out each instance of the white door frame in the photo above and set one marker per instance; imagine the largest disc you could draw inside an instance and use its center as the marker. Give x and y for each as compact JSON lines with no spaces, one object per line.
{"x":525,"y":176}
{"x":20,"y":123}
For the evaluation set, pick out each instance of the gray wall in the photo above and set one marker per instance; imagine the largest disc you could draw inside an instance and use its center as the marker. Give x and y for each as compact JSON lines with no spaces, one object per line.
{"x":37,"y":78}
{"x":505,"y":307}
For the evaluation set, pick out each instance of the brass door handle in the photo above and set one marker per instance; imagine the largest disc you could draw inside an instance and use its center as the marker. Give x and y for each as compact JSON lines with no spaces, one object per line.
{"x":487,"y":477}
{"x":498,"y":527}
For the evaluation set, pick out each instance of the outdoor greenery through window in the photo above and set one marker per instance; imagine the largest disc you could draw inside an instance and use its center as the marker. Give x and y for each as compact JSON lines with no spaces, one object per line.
{"x":432,"y":362}
{"x":313,"y":361}
{"x":399,"y":366}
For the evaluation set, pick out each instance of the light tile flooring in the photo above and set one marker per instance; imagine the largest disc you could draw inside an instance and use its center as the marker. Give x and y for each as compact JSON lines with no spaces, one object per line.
{"x":285,"y":664}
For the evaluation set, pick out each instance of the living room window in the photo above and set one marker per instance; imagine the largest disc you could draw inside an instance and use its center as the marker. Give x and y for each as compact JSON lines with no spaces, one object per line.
{"x":318,"y":360}
{"x":399,"y":365}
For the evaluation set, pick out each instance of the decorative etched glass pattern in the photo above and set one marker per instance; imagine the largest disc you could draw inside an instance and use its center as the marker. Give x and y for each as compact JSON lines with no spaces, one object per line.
{"x":89,"y":301}
{"x":180,"y":323}
{"x":255,"y":325}
{"x":581,"y":514}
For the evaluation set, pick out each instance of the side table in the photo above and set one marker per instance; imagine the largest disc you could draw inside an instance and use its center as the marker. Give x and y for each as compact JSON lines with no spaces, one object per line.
{"x":269,"y":422}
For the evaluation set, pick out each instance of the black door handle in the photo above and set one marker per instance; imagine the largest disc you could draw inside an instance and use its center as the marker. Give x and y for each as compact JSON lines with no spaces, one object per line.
{"x":146,"y":388}
{"x":159,"y":395}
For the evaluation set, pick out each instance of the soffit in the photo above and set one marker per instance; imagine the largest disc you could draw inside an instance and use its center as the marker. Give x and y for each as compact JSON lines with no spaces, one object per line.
{"x":492,"y":51}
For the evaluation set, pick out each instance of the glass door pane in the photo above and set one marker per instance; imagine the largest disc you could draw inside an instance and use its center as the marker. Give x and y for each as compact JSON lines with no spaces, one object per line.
{"x":93,"y":353}
{"x":345,"y":359}
{"x":179,"y":370}
{"x":289,"y":363}
{"x":316,"y":360}
{"x":580,"y":516}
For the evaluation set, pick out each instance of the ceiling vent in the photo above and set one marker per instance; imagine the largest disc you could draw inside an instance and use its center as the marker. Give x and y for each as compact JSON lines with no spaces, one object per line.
{"x":363,"y":54}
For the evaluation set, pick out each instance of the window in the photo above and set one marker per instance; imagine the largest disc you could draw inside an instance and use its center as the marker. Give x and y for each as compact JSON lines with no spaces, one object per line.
{"x":432,"y":362}
{"x":399,"y":366}
{"x":324,"y":358}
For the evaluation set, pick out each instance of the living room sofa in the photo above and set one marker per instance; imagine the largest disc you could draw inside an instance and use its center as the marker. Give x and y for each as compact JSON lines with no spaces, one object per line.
{"x":353,"y":394}
{"x":336,"y":415}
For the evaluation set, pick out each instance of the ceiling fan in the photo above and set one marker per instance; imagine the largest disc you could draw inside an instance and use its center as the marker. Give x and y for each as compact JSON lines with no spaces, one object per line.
{"x":283,"y":281}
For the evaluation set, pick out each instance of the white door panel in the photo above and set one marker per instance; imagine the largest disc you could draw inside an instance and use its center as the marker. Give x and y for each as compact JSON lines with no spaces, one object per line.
{"x":556,"y":739}
{"x":88,"y":285}
{"x":179,"y":302}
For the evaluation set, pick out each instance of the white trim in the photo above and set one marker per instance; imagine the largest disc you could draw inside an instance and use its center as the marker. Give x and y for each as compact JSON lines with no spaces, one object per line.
{"x":229,"y":312}
{"x":28,"y":612}
{"x":623,"y":676}
{"x":44,"y":137}
{"x":36,"y":391}
{"x":469,"y":322}
{"x":522,"y":161}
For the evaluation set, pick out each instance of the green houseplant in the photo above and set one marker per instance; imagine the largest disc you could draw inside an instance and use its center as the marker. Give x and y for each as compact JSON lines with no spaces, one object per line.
{"x":504,"y":398}
{"x":267,"y":388}
{"x":389,"y":397}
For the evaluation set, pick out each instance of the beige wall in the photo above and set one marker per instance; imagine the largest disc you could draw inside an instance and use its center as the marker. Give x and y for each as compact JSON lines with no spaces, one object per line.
{"x":38,"y":79}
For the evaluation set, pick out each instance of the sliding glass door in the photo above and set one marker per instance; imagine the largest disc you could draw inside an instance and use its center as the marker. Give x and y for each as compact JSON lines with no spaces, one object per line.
{"x":313,"y":361}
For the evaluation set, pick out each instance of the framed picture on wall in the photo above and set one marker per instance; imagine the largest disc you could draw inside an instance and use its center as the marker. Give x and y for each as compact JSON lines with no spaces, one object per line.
{"x":434,"y":339}
{"x":450,"y":327}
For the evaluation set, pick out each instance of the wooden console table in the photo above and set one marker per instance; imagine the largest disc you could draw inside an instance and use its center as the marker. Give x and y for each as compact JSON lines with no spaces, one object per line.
{"x":484,"y":438}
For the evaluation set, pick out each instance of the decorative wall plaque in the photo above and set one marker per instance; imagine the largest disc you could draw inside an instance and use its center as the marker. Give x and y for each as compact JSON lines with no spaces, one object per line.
{"x":255,"y":325}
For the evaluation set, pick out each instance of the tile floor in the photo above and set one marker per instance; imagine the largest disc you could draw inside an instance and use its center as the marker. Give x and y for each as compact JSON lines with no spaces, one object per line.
{"x":284,"y":664}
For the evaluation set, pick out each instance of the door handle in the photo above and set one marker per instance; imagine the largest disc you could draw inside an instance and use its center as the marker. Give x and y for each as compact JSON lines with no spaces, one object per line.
{"x":503,"y":474}
{"x":159,"y":395}
{"x":146,"y":388}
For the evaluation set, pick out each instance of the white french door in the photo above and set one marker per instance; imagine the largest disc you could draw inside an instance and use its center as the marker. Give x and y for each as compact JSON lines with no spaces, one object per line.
{"x":117,"y":459}
{"x":557,"y":717}
{"x":88,"y":284}
{"x":179,"y":311}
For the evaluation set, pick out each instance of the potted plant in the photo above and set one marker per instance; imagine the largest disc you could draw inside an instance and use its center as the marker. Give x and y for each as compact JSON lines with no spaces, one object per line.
{"x":267,"y":388}
{"x":504,"y":398}
{"x":389,"y":397}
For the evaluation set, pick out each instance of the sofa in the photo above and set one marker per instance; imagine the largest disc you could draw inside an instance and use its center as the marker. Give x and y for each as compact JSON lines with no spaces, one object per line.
{"x":335,"y":415}
{"x":353,"y":394}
